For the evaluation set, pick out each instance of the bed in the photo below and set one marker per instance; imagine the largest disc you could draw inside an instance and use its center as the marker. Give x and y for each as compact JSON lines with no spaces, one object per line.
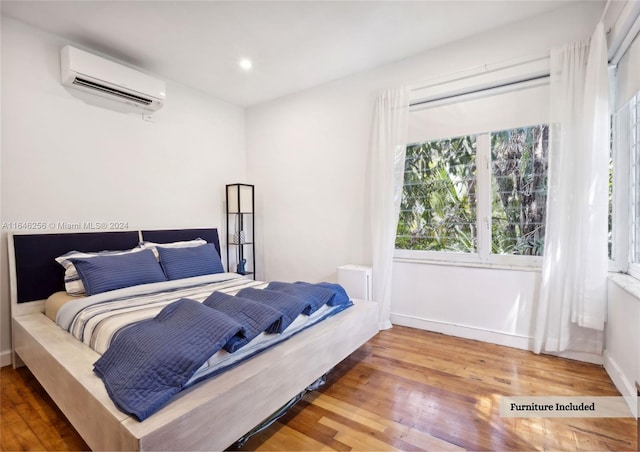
{"x":209,"y":415}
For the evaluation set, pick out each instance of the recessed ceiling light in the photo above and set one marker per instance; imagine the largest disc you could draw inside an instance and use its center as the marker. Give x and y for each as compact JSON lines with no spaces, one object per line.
{"x":245,"y":64}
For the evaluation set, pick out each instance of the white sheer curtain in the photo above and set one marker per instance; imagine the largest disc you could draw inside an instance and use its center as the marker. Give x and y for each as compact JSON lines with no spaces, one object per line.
{"x":388,"y":149}
{"x":572,"y":303}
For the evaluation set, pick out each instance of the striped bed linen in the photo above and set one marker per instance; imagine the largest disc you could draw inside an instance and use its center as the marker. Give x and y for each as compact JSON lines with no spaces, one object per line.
{"x":97,"y":324}
{"x":96,"y":320}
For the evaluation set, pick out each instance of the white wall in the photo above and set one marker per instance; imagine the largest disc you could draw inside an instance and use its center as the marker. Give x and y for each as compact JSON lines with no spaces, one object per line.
{"x":622,"y":354}
{"x":489,"y":304}
{"x":307,"y":154}
{"x":66,"y":161}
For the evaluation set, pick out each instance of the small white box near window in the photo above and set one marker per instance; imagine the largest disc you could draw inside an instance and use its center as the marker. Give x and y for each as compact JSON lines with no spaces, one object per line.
{"x":356,"y":280}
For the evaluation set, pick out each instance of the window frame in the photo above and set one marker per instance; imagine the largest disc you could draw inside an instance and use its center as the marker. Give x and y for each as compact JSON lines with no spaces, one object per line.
{"x":623,"y":222}
{"x":483,"y":256}
{"x":620,"y":227}
{"x":632,"y":133}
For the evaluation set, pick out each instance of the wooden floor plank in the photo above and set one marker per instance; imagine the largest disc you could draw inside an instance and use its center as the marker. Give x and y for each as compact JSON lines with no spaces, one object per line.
{"x":375,"y":422}
{"x":29,"y":418}
{"x":22,"y":433}
{"x":285,"y":437}
{"x":356,"y":439}
{"x":361,"y":416}
{"x":405,"y":389}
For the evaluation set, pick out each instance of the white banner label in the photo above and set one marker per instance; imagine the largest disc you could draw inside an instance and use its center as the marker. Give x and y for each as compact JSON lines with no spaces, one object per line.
{"x":551,"y":406}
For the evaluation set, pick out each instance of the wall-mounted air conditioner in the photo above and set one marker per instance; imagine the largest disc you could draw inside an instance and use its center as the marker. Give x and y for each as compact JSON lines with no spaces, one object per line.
{"x":96,"y":75}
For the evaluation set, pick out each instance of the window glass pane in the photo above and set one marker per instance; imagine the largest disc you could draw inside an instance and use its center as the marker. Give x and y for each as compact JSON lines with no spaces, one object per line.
{"x":519,"y":162}
{"x":438,"y":210}
{"x":611,"y":175}
{"x":635,"y":179}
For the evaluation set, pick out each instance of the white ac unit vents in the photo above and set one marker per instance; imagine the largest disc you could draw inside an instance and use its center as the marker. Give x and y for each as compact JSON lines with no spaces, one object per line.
{"x":101,"y":77}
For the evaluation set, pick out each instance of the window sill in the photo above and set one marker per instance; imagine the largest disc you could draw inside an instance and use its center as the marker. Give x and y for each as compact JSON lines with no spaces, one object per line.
{"x":626,"y":282}
{"x":492,"y":266}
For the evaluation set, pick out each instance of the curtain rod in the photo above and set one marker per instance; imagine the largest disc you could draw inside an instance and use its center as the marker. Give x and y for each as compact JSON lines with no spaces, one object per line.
{"x":625,"y":35}
{"x":474,"y":71}
{"x":479,"y":90}
{"x":605,"y":10}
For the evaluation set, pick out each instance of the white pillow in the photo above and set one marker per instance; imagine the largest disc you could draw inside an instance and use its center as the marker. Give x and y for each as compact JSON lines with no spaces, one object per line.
{"x":72,"y":282}
{"x":183,"y":244}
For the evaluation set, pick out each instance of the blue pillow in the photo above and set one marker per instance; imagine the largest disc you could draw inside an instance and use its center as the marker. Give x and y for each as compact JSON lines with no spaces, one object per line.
{"x":179,"y":263}
{"x":110,"y":272}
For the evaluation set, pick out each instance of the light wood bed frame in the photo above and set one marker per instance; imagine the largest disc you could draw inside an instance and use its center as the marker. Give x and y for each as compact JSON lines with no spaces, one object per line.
{"x":211,"y":415}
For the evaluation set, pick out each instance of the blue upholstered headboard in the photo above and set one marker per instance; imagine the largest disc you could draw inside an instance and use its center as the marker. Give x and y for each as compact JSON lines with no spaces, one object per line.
{"x":176,"y":235}
{"x":38,"y":275}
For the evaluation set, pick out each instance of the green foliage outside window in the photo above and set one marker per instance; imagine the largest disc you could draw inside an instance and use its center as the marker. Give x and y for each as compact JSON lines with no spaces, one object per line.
{"x":438,"y":207}
{"x":519,"y":161}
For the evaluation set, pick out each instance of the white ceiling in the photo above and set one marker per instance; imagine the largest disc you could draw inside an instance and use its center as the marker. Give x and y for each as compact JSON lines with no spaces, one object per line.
{"x":294,"y":45}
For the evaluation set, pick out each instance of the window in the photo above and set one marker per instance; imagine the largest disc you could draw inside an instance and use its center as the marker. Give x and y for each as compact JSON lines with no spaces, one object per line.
{"x":625,"y":228}
{"x":626,"y":189}
{"x":519,"y":163}
{"x":480,"y":194}
{"x":438,"y":210}
{"x":475,"y":184}
{"x":612,"y":146}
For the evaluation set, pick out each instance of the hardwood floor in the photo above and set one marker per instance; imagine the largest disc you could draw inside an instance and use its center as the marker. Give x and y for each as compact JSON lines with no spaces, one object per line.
{"x":405,"y":389}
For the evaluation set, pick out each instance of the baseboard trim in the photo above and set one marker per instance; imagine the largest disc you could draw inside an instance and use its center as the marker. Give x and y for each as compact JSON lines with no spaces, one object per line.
{"x":5,"y":358}
{"x":579,"y":356}
{"x":467,"y":332}
{"x":485,"y":335}
{"x":622,"y":383}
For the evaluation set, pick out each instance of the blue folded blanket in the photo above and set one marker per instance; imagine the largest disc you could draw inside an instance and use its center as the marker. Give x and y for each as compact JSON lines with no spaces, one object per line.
{"x":341,"y":297}
{"x":150,"y":361}
{"x":256,"y":317}
{"x":289,"y":306}
{"x":319,"y":294}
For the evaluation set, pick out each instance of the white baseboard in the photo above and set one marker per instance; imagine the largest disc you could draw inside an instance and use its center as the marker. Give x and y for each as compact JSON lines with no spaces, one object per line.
{"x":485,"y":335}
{"x":580,"y":356}
{"x":5,"y":358}
{"x":622,"y":383}
{"x":467,"y":332}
